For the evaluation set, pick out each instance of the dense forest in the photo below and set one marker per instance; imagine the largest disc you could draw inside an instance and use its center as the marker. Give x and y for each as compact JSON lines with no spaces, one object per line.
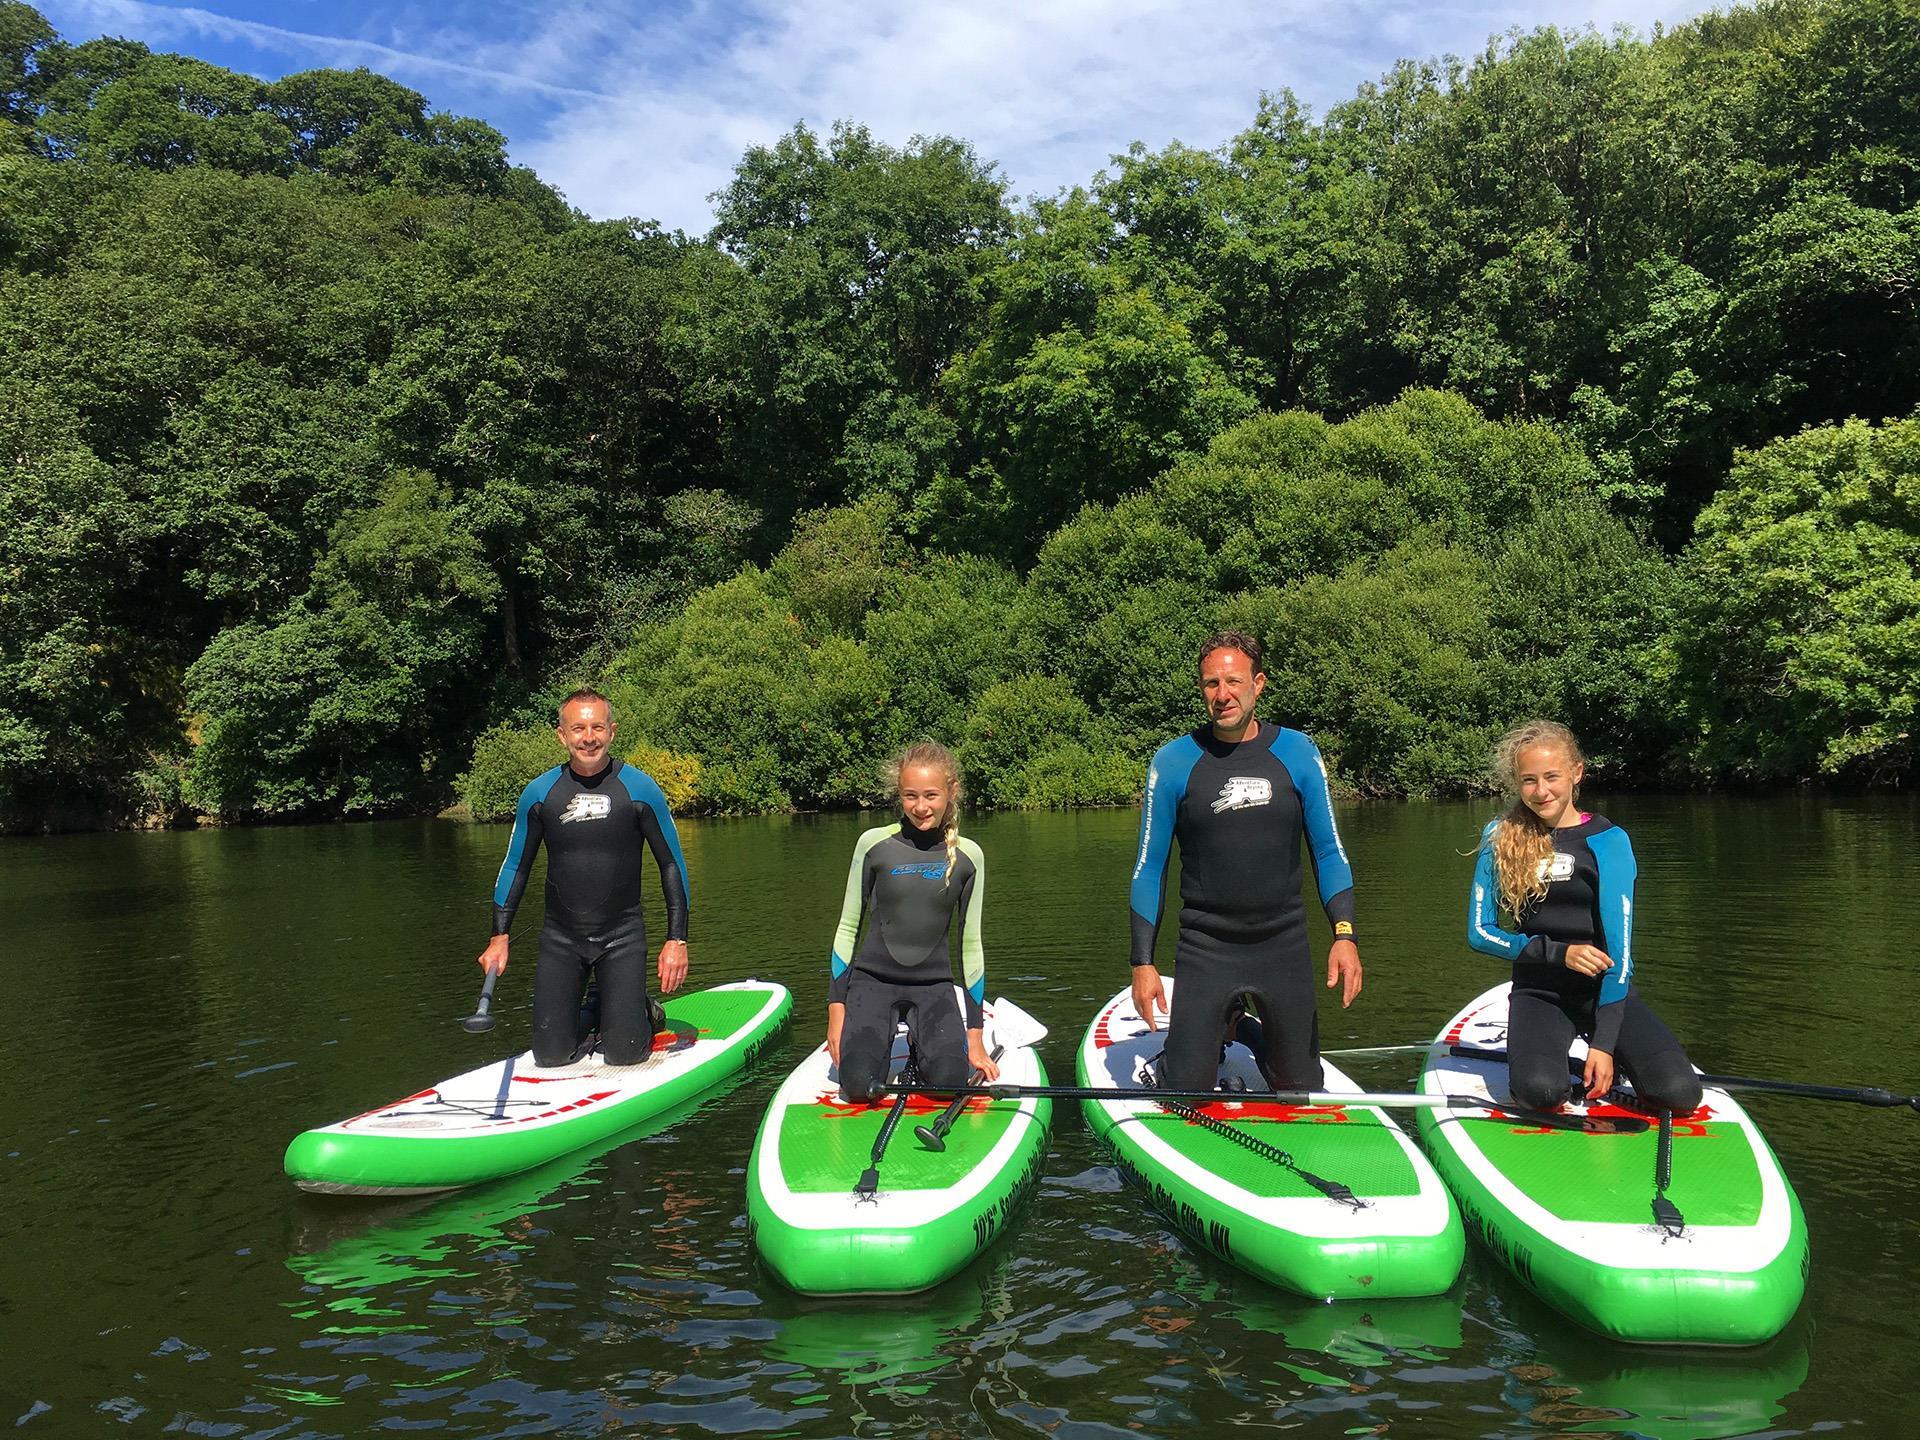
{"x":1577,"y":377}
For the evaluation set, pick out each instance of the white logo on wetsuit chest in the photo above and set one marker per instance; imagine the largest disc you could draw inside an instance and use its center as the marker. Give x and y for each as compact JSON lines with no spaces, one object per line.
{"x":1559,"y":866}
{"x":1243,"y":792}
{"x":587,"y":807}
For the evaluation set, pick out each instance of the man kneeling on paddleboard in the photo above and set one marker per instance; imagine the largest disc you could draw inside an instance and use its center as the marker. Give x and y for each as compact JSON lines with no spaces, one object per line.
{"x":1237,"y":794}
{"x":594,"y":814}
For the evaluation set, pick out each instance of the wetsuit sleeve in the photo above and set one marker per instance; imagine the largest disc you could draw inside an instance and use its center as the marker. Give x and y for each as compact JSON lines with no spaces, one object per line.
{"x":1613,"y":857}
{"x":657,"y":828}
{"x":973,"y":952}
{"x":852,"y":907}
{"x":1331,"y":871}
{"x":1483,"y":913}
{"x":1159,"y":810}
{"x":524,"y":844}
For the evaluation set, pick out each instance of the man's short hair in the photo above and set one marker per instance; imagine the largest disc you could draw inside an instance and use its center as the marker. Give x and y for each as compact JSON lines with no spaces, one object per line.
{"x":1232,"y":640}
{"x":585,"y":692}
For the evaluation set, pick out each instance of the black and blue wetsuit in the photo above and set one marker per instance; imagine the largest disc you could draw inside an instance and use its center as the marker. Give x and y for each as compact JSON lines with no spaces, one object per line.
{"x":594,"y":828}
{"x":1589,"y":901}
{"x":1239,"y":811}
{"x":901,"y":883}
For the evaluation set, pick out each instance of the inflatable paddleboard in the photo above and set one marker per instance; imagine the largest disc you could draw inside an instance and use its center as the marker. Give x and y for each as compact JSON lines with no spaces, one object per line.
{"x":1402,"y":1239}
{"x":511,"y":1115}
{"x":1571,"y":1213}
{"x":932,"y":1211}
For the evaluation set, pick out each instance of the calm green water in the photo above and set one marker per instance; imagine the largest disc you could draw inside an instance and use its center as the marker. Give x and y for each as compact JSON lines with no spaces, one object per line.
{"x":181,"y":1005}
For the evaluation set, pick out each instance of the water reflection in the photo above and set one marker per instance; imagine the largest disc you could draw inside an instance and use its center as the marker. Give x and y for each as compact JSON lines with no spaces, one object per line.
{"x":196,"y":999}
{"x":1571,"y":1383}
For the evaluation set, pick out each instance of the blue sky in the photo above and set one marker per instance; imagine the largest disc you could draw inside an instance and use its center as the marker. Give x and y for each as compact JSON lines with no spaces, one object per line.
{"x":642,"y":107}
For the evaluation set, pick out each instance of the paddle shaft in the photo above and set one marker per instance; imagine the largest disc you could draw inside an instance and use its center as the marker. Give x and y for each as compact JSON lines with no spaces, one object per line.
{"x":1319,"y":1098}
{"x":1865,"y":1095}
{"x":1862,"y":1095}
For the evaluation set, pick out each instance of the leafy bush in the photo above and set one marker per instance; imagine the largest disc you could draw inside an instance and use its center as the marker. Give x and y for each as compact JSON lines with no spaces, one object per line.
{"x":1393,"y":667}
{"x":1068,"y":776}
{"x":1016,"y":726}
{"x":1800,"y":642}
{"x":505,"y":758}
{"x":677,"y":775}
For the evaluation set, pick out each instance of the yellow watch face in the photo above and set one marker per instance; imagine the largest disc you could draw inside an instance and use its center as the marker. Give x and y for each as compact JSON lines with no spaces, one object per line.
{"x":1343,"y":929}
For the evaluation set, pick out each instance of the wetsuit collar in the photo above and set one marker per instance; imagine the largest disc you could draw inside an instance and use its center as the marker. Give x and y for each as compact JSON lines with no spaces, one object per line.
{"x":1221,"y":749}
{"x":594,"y":781}
{"x":933,"y":839}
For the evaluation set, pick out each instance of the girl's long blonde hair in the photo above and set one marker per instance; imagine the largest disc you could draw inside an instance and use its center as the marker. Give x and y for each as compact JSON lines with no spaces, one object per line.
{"x":1522,"y":843}
{"x":936,"y":756}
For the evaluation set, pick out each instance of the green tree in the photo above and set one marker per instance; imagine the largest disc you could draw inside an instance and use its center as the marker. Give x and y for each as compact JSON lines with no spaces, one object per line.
{"x":1394,"y":667}
{"x":351,"y":702}
{"x":865,"y":262}
{"x":1800,"y":642}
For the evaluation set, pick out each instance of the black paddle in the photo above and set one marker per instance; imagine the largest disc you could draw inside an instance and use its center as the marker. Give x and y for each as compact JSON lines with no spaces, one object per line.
{"x":1510,"y":1114}
{"x":480,"y":1021}
{"x":1865,"y":1095}
{"x":869,"y":1180}
{"x":934,"y":1136}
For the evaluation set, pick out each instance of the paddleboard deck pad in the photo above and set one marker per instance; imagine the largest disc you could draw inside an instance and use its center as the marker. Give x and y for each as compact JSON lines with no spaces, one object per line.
{"x":933,"y":1211}
{"x":1402,"y":1237}
{"x":1571,"y":1213}
{"x":511,"y":1115}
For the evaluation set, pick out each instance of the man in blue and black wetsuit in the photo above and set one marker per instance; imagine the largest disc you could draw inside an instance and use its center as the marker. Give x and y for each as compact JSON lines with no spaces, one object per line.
{"x":594,"y":814}
{"x":1238,"y":794}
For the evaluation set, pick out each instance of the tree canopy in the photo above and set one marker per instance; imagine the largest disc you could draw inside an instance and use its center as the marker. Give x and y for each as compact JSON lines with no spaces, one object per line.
{"x":1575,"y":375}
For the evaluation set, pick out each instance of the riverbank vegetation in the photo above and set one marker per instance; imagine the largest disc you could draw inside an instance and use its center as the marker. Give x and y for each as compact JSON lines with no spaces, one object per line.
{"x":1579,"y":377}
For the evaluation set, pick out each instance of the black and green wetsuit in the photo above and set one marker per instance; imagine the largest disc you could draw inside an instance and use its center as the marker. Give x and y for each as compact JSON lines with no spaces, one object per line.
{"x":910,"y":896}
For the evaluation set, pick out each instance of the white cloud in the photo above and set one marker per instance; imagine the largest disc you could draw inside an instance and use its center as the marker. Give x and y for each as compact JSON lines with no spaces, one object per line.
{"x":1047,"y":90}
{"x":642,"y":107}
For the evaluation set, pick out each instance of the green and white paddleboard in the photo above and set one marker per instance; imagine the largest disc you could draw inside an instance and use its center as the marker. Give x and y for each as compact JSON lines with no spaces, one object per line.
{"x":511,"y":1115}
{"x":1404,"y":1239}
{"x":1571,"y":1214}
{"x":933,"y":1211}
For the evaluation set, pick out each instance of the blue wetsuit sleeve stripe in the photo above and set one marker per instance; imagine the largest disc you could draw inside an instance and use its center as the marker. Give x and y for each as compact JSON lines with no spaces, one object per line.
{"x":1333,"y":873}
{"x":522,"y":846}
{"x":1483,"y":911}
{"x":663,"y":838}
{"x":1159,"y":812}
{"x":1613,"y":858}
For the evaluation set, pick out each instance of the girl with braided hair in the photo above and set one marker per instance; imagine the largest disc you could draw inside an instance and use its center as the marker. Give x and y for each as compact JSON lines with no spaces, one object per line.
{"x":1565,"y":878}
{"x":911,"y":881}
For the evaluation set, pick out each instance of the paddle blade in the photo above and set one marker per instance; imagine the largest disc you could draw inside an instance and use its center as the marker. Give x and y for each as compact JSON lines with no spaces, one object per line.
{"x":1014,"y":1028}
{"x":477,"y":1024}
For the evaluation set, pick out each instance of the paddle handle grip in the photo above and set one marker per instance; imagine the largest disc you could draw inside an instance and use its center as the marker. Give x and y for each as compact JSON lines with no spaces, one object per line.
{"x":952,"y":1112}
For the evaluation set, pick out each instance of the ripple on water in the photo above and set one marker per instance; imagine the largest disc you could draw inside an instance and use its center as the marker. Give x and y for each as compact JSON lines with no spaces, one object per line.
{"x":211,"y":998}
